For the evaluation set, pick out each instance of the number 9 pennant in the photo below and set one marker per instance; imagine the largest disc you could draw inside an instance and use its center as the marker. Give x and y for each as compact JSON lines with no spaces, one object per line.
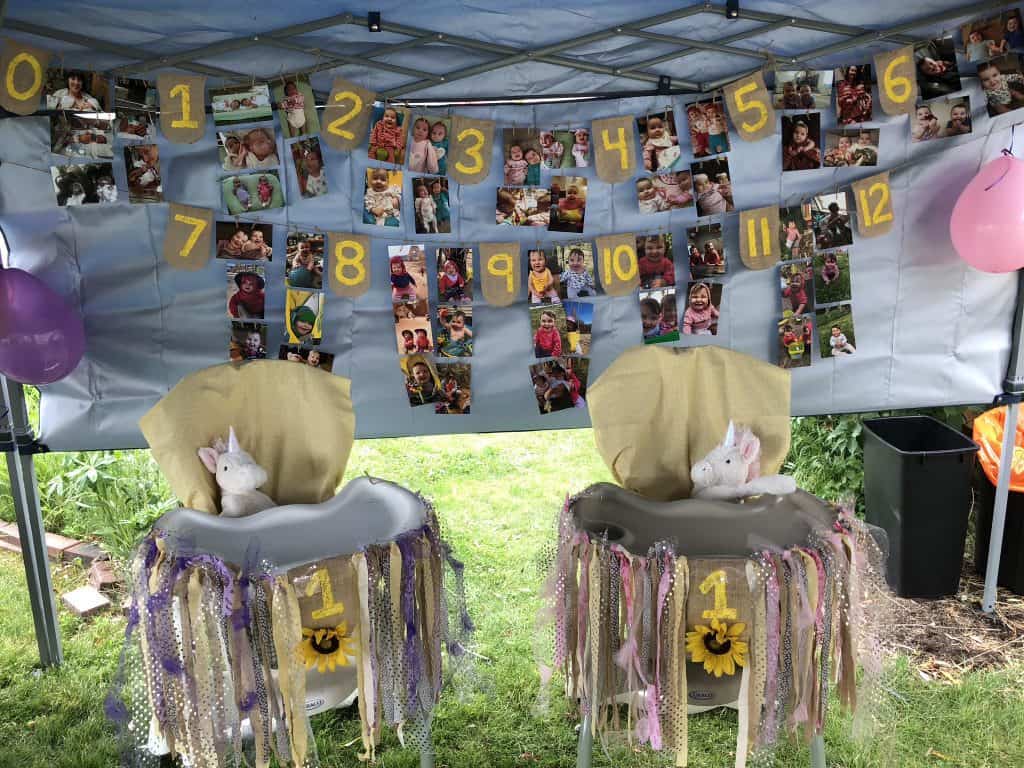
{"x":347,"y":115}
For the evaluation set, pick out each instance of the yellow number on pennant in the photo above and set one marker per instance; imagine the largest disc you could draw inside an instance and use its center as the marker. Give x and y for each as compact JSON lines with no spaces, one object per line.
{"x":743,"y":105}
{"x":335,"y":125}
{"x":504,"y":271}
{"x":620,"y":144}
{"x":891,"y":84}
{"x":472,"y":151}
{"x":766,"y":238}
{"x":357,"y":261}
{"x":323,"y":579}
{"x":716,"y":581}
{"x":185,"y":91}
{"x":37,"y":76}
{"x":879,"y":215}
{"x":613,"y":263}
{"x":198,"y":226}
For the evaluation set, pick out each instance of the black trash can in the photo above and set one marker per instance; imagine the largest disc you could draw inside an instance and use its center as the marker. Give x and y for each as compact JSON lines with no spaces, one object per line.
{"x":1011,"y":562}
{"x":917,"y":486}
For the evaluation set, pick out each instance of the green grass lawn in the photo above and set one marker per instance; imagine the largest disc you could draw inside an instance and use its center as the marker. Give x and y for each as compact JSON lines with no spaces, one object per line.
{"x":497,"y":496}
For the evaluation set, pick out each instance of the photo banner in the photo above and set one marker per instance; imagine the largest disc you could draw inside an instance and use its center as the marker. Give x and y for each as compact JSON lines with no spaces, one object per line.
{"x":348,"y":263}
{"x":614,"y":148}
{"x":897,"y":81}
{"x":23,"y":72}
{"x":873,"y":198}
{"x":182,"y":107}
{"x":759,"y":237}
{"x":500,"y":273}
{"x":188,"y":240}
{"x":471,"y":146}
{"x":617,"y":263}
{"x":346,"y":117}
{"x":750,"y":107}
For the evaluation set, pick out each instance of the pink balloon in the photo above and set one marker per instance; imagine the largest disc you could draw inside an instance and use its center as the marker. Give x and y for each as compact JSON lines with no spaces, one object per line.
{"x":987,"y":225}
{"x":41,"y":338}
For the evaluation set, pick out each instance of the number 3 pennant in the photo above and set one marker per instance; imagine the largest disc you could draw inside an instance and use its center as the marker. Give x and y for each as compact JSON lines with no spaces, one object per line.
{"x":347,"y":115}
{"x":472,"y":142}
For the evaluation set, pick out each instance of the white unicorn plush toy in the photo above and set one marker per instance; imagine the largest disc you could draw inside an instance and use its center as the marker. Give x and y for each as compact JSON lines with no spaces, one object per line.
{"x":239,"y":478}
{"x":732,"y":470}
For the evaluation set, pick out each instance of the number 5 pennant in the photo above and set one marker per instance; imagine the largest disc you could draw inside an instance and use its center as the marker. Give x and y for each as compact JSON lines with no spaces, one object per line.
{"x":750,"y":107}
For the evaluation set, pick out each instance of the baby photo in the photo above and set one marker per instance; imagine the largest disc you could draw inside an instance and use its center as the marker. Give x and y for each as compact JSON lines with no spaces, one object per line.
{"x":248,"y":342}
{"x":77,"y":135}
{"x":937,"y":73}
{"x":712,"y":186}
{"x":387,"y":134}
{"x":659,"y":317}
{"x":1003,"y":84}
{"x":568,"y":206}
{"x":523,"y":207}
{"x":84,"y":184}
{"x":575,"y":268}
{"x":242,"y":240}
{"x":541,"y":282}
{"x":655,"y":260}
{"x":559,"y":149}
{"x":454,"y":332}
{"x":832,"y":277}
{"x":578,"y":141}
{"x":803,"y":89}
{"x":707,"y":251}
{"x":304,"y":313}
{"x":309,"y":167}
{"x":795,"y":341}
{"x":382,"y":198}
{"x":248,"y":149}
{"x":77,"y":90}
{"x":941,"y":119}
{"x":142,"y":161}
{"x":296,"y":107}
{"x":801,"y":142}
{"x":579,"y":320}
{"x":252,"y":192}
{"x":835,"y":331}
{"x":245,"y":291}
{"x":240,"y":104}
{"x":409,"y":273}
{"x":988,"y":38}
{"x":659,"y":141}
{"x":456,"y":390}
{"x":430,"y":198}
{"x":664,"y":192}
{"x":522,"y":157}
{"x":853,"y":94}
{"x":796,"y":281}
{"x":851,"y":147}
{"x":428,"y":147}
{"x":709,"y":133}
{"x":796,"y":236}
{"x":703,"y":305}
{"x":560,"y":384}
{"x":455,"y":275}
{"x":547,"y":325}
{"x":314,"y":358}
{"x":830,"y":216}
{"x":136,"y":108}
{"x":422,"y":385}
{"x":304,"y":260}
{"x":412,"y":327}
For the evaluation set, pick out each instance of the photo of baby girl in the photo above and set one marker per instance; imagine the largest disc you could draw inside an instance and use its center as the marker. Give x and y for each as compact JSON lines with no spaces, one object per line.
{"x":832,"y":277}
{"x":655,"y":260}
{"x":304,"y":260}
{"x":796,"y":337}
{"x":456,"y":388}
{"x":428,"y":147}
{"x":142,"y":162}
{"x":84,"y":184}
{"x":82,"y":135}
{"x":314,"y":358}
{"x":522,"y":157}
{"x":558,"y":149}
{"x":830,"y":216}
{"x":801,"y":142}
{"x":523,"y":207}
{"x":382,"y":198}
{"x":248,"y":342}
{"x":707,"y":251}
{"x":304,"y":316}
{"x":240,"y":104}
{"x":137,"y":110}
{"x":296,"y":107}
{"x":412,"y":327}
{"x":568,"y":195}
{"x":659,"y":317}
{"x":803,"y":89}
{"x":796,"y":235}
{"x":387,"y":134}
{"x":941,"y":119}
{"x":709,"y":133}
{"x":1003,"y":84}
{"x":579,"y":322}
{"x":664,"y":192}
{"x":240,"y":241}
{"x":659,"y":142}
{"x":408,"y":271}
{"x":560,"y":384}
{"x":547,"y":326}
{"x":540,"y":282}
{"x":309,"y":167}
{"x":836,"y":337}
{"x":796,"y":281}
{"x":454,"y":332}
{"x":935,"y":62}
{"x":853,"y":94}
{"x":252,"y":192}
{"x":422,"y":385}
{"x":988,"y":38}
{"x":248,"y":149}
{"x":430,"y":199}
{"x":575,"y":269}
{"x":851,"y":147}
{"x":703,"y":307}
{"x":712,"y":186}
{"x":245,"y":291}
{"x":455,"y":275}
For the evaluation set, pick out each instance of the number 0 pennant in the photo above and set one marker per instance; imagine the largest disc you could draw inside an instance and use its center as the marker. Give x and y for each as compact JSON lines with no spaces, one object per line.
{"x":22,"y":74}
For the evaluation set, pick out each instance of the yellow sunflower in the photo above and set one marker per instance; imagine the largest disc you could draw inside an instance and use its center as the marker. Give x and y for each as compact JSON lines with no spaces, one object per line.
{"x":719,"y":647}
{"x":327,"y":648}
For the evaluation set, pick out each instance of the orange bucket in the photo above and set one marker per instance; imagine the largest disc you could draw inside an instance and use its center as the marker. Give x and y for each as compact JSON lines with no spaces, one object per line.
{"x":988,"y":434}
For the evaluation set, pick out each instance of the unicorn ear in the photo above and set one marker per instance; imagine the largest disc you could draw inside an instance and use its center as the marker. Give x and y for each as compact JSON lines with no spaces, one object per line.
{"x":233,"y":441}
{"x":730,"y":436}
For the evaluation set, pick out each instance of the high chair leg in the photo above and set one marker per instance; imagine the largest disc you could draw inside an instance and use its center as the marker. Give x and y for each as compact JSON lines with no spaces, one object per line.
{"x":585,"y":748}
{"x":818,"y":752}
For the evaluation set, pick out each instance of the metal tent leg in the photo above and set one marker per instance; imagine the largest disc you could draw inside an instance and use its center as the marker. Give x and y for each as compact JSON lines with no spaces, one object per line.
{"x":585,"y":748}
{"x":995,"y":542}
{"x":30,"y":523}
{"x":427,"y":753}
{"x":818,"y":752}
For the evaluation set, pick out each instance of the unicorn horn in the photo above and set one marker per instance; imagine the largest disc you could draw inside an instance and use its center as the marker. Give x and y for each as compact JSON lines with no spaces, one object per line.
{"x":233,"y":446}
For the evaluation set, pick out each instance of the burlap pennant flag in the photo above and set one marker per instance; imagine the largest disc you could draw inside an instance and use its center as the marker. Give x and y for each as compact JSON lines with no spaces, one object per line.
{"x":614,"y":148}
{"x":897,"y":80}
{"x":182,"y":107}
{"x":759,"y":237}
{"x":346,"y":117}
{"x":471,"y":146}
{"x":348,"y":263}
{"x":750,"y":107}
{"x":873,"y":197}
{"x":500,"y":273}
{"x":719,"y":592}
{"x":617,"y":264}
{"x":23,"y":69}
{"x":188,"y":240}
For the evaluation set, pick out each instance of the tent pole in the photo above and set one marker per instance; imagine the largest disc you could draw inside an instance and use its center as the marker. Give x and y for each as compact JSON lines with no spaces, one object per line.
{"x":32,"y":536}
{"x":585,"y":748}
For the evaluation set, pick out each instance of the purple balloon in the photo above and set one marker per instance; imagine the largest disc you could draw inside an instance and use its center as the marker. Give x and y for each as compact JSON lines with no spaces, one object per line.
{"x":42,"y":339}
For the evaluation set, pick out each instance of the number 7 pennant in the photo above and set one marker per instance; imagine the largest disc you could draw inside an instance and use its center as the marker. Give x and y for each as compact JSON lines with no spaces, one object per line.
{"x":189,"y":237}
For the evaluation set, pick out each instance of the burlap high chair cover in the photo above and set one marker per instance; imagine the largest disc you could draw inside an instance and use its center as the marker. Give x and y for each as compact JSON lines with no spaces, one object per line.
{"x":656,"y":411}
{"x":296,"y":421}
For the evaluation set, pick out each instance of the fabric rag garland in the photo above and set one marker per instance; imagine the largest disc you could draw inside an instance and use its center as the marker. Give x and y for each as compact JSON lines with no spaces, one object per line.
{"x":209,"y":645}
{"x":622,"y":633}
